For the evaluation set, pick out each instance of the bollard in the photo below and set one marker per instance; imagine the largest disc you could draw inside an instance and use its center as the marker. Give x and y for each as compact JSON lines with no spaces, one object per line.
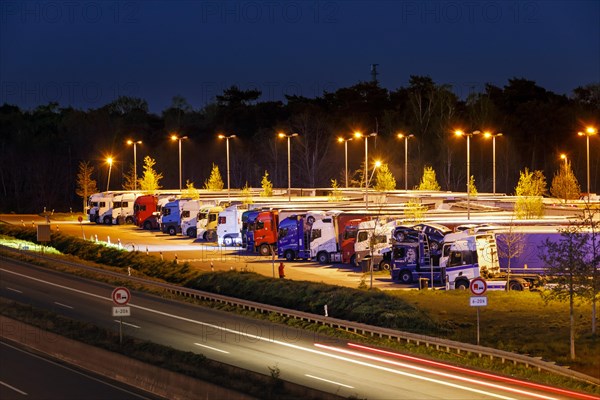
{"x":119,"y":243}
{"x":146,"y":250}
{"x":176,"y":261}
{"x":212,"y":267}
{"x":108,"y":239}
{"x":129,"y":271}
{"x":161,"y":256}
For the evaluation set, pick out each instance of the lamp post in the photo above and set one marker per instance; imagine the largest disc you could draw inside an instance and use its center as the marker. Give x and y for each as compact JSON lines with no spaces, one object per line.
{"x":468,"y":136}
{"x":109,"y":160}
{"x":179,"y":139}
{"x":405,"y":137}
{"x":488,"y":135}
{"x":291,"y":135}
{"x":221,"y":136}
{"x":359,"y":135}
{"x":346,"y":155}
{"x":589,"y":131}
{"x":134,"y":143}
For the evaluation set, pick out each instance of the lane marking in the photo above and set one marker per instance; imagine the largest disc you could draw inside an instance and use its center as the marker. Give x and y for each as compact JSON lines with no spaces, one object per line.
{"x":328,"y":381}
{"x":127,"y":323}
{"x":13,"y":388}
{"x":63,"y":305}
{"x":13,"y":290}
{"x":75,"y":371}
{"x":278,"y":342}
{"x":211,"y":348}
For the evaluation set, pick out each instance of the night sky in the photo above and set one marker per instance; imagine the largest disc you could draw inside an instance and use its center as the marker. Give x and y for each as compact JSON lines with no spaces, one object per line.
{"x":85,"y":54}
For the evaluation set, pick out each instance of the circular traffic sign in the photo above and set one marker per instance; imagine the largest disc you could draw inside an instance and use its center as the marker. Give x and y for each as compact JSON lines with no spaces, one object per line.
{"x":121,"y":296}
{"x":478,"y":286}
{"x":80,"y":218}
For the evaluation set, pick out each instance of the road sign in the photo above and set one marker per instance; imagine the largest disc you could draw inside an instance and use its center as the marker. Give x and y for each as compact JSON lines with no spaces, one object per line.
{"x":478,"y":286}
{"x":478,"y":301}
{"x":80,"y":219}
{"x":121,"y":296}
{"x":121,"y":311}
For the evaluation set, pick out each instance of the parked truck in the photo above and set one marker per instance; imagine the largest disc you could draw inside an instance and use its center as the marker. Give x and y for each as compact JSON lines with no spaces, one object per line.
{"x":293,"y":240}
{"x":170,"y":219}
{"x":206,"y":225}
{"x":144,"y":208}
{"x":248,"y":219}
{"x":411,"y":259}
{"x":373,"y":239}
{"x":476,"y":255}
{"x":123,"y":208}
{"x":189,"y":217}
{"x":229,"y":226}
{"x":100,"y":208}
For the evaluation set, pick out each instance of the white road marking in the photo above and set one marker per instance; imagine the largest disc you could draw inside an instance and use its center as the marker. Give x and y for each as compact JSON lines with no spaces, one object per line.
{"x":127,"y":323}
{"x":63,"y":305}
{"x":211,"y":348}
{"x":13,"y":388}
{"x":328,"y":381}
{"x":13,"y":290}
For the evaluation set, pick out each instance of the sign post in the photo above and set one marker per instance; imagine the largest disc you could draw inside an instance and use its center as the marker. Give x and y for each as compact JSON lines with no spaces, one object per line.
{"x":80,"y":219}
{"x":478,"y":287}
{"x":121,"y":297}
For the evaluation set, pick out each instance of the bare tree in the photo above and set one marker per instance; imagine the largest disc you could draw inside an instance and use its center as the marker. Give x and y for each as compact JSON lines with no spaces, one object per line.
{"x":511,"y":245}
{"x":85,"y":184}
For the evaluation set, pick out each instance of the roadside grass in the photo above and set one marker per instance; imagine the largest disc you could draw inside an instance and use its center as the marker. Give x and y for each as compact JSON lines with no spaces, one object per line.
{"x":519,"y":322}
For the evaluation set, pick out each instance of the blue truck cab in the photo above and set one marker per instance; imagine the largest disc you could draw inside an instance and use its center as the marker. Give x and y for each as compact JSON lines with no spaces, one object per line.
{"x":170,"y":219}
{"x":293,"y":238}
{"x":248,"y":219}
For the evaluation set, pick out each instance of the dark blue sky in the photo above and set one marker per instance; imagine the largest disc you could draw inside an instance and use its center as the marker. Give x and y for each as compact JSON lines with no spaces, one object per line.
{"x":86,"y":53}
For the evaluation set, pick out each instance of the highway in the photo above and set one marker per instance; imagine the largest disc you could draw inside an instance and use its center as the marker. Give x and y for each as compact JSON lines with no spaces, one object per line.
{"x":24,"y":375}
{"x":303,"y":357}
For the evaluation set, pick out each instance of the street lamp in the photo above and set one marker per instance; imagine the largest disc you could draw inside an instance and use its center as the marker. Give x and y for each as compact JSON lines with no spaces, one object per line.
{"x":375,"y":166}
{"x":109,"y":160}
{"x":291,"y":135}
{"x":179,"y":139}
{"x":488,"y":135}
{"x":221,"y":136}
{"x":134,"y":143}
{"x":346,"y":154}
{"x":359,"y":135}
{"x":468,"y":136}
{"x":405,"y":137}
{"x":563,"y":156}
{"x":589,"y":131}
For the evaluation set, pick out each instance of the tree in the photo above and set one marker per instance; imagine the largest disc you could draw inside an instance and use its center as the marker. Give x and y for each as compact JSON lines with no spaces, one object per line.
{"x":150,"y":180}
{"x":566,"y":270}
{"x":190,"y":192}
{"x":511,"y":244}
{"x":247,"y":194}
{"x":85,"y":184}
{"x":336,"y":193}
{"x":384,"y":180}
{"x":129,"y":179}
{"x":564,"y":184}
{"x":214,"y":182}
{"x":472,"y":188}
{"x":428,"y":181}
{"x":267,"y":186}
{"x":415,"y":211}
{"x":529,"y":191}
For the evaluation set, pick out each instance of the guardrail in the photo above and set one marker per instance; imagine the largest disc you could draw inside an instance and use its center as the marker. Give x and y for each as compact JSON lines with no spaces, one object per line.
{"x":349,"y":326}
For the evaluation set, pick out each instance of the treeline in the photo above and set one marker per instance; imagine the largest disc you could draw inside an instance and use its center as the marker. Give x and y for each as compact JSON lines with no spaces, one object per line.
{"x":40,"y":149}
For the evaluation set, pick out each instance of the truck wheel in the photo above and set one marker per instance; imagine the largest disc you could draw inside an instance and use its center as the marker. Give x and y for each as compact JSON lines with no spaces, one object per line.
{"x":289,"y":255}
{"x":107,"y":221}
{"x":211,"y":236}
{"x":227,"y":241}
{"x":147,"y":225}
{"x":323,"y":257}
{"x":400,"y":236}
{"x":191,"y":232}
{"x":129,"y":220}
{"x":172,"y":231}
{"x":462,"y":284}
{"x":405,"y":276}
{"x":353,"y":260}
{"x":385,"y":266}
{"x":310,"y":220}
{"x":264,"y":250}
{"x":515,"y":285}
{"x":434,"y":246}
{"x":205,"y":236}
